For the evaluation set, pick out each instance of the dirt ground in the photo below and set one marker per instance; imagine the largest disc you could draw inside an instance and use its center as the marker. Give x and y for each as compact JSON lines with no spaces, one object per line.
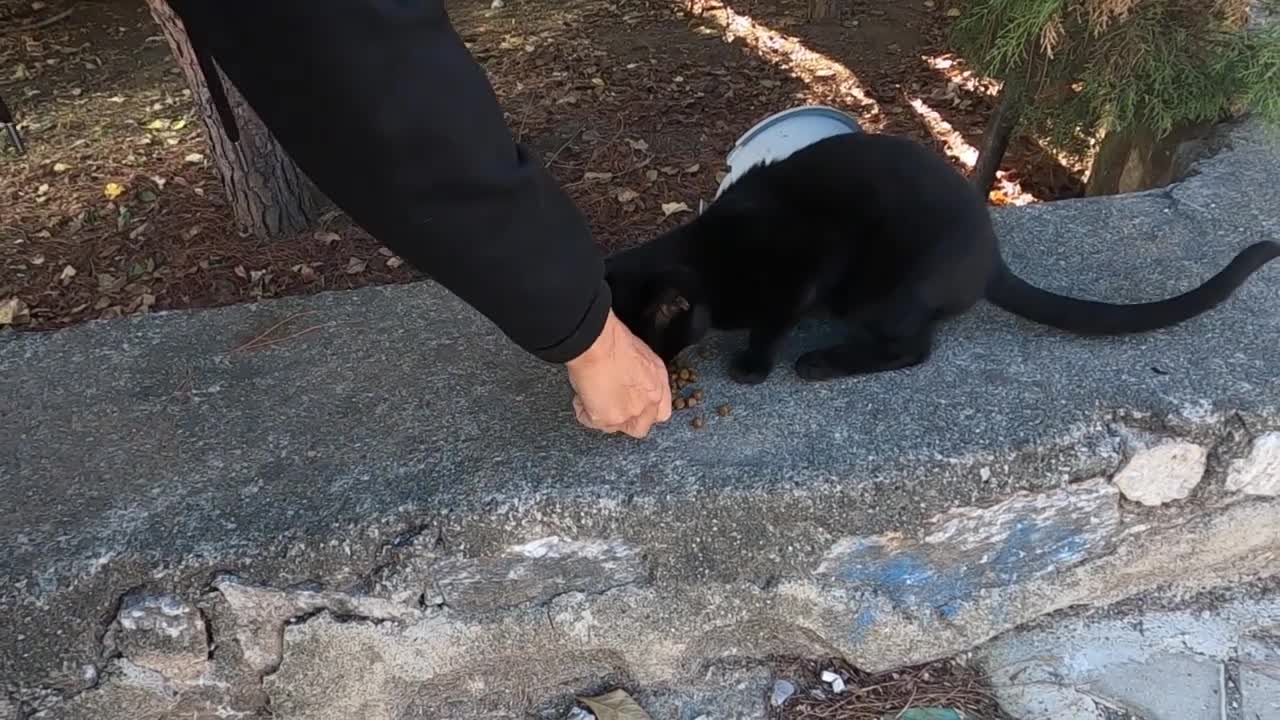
{"x":633,"y":104}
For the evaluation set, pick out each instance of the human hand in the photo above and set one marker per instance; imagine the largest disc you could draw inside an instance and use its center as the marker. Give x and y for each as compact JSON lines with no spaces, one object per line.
{"x":620,"y":384}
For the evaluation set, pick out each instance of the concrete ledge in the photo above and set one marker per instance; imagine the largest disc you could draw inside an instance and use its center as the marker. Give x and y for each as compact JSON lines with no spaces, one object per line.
{"x":394,"y":515}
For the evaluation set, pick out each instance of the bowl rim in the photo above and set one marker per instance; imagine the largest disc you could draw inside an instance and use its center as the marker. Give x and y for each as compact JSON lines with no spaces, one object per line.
{"x":771,"y":120}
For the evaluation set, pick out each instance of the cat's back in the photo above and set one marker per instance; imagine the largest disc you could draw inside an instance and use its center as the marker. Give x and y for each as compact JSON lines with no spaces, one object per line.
{"x":879,"y":170}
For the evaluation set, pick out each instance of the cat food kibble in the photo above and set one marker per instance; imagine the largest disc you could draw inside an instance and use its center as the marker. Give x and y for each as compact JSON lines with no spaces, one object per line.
{"x":698,"y":423}
{"x":724,"y":410}
{"x":680,"y":403}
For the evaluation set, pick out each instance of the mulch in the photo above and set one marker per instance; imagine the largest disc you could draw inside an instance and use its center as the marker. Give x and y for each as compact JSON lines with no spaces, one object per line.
{"x":946,"y":684}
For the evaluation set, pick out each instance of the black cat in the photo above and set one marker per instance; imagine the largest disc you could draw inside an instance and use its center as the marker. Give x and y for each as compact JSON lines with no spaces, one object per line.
{"x":879,"y":230}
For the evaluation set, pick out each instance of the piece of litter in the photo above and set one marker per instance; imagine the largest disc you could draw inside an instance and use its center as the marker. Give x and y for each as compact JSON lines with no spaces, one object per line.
{"x":615,"y":705}
{"x":835,"y":681}
{"x":580,"y":714}
{"x":782,"y":692}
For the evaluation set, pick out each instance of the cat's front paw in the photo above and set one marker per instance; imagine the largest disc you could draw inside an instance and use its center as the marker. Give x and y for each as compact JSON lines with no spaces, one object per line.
{"x":817,"y":366}
{"x":749,"y":369}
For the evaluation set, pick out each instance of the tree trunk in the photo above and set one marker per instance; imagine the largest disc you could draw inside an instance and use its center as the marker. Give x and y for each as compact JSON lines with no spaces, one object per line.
{"x":995,"y":140}
{"x":269,"y":194}
{"x":1134,"y":159}
{"x":828,"y":11}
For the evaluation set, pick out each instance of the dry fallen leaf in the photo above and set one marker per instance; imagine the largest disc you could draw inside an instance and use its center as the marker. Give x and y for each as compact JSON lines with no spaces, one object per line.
{"x":615,"y":705}
{"x":693,"y":168}
{"x":355,"y":266}
{"x":327,"y":236}
{"x":640,"y":145}
{"x":113,"y":190}
{"x":61,"y":167}
{"x":394,"y":262}
{"x":626,"y":195}
{"x":671,"y":208}
{"x":651,"y":175}
{"x":597,"y":176}
{"x":13,"y":311}
{"x":194,"y":158}
{"x":954,"y":12}
{"x":68,"y":272}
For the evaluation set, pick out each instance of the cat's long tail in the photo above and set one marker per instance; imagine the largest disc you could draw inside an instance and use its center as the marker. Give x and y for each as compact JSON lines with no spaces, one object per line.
{"x":1085,"y":317}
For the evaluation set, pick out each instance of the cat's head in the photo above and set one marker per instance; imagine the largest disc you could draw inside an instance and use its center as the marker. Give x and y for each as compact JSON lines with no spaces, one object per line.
{"x":662,"y":305}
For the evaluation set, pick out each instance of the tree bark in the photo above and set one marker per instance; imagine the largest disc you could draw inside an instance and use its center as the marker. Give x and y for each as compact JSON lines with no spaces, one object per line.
{"x":827,"y":11}
{"x":270,"y":196}
{"x":996,"y":137}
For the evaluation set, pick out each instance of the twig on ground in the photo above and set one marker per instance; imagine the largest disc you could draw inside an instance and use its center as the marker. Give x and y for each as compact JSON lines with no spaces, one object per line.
{"x":52,"y":19}
{"x":276,"y":341}
{"x":566,"y":144}
{"x":271,"y":329}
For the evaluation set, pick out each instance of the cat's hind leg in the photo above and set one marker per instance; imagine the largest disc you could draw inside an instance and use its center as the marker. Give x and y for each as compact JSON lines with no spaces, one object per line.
{"x":891,"y":335}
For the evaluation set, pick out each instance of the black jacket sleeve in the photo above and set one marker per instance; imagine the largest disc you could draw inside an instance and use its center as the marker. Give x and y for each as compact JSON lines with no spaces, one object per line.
{"x":382,"y":105}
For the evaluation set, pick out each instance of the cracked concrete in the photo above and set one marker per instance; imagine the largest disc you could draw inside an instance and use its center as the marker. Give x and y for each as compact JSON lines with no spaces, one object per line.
{"x":1208,"y":657}
{"x":370,"y":522}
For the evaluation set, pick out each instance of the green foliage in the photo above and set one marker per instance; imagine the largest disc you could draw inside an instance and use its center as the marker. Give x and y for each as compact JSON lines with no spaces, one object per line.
{"x":1090,"y":66}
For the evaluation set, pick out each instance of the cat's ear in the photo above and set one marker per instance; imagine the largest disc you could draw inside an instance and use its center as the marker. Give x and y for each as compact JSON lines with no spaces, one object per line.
{"x":670,"y":304}
{"x":677,"y":293}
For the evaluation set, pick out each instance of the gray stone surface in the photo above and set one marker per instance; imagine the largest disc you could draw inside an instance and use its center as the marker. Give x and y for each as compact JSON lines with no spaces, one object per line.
{"x":1259,"y":664}
{"x":1154,"y":663}
{"x":404,"y":443}
{"x":1167,"y":686}
{"x":164,"y":634}
{"x":1259,"y":472}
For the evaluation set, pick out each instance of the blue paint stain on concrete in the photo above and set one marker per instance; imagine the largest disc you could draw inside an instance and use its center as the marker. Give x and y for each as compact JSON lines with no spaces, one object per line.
{"x":943,"y":578}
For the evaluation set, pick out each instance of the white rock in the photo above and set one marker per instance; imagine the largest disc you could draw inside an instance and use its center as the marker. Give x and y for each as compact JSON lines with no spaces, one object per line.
{"x":1258,"y":474}
{"x":498,"y":4}
{"x":1161,"y":474}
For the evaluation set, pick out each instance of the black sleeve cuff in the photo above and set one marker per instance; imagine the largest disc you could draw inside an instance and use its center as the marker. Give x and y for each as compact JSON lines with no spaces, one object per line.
{"x":585,"y":334}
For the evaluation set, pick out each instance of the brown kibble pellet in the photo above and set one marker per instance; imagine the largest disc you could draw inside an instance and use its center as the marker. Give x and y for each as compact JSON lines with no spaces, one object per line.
{"x":693,"y":402}
{"x":686,"y":374}
{"x":680,"y":403}
{"x":697,"y":395}
{"x":698,"y":423}
{"x":724,"y":410}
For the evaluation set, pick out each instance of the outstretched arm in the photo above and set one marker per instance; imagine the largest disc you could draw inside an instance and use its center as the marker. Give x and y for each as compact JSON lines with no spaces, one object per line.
{"x":381,"y":104}
{"x":383,"y":107}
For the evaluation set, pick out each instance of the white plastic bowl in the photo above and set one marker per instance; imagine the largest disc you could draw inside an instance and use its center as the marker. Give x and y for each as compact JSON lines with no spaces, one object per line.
{"x":783,"y":133}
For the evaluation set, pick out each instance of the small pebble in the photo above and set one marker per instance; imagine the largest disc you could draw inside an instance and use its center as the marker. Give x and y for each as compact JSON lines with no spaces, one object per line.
{"x":782,"y":692}
{"x":498,"y":4}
